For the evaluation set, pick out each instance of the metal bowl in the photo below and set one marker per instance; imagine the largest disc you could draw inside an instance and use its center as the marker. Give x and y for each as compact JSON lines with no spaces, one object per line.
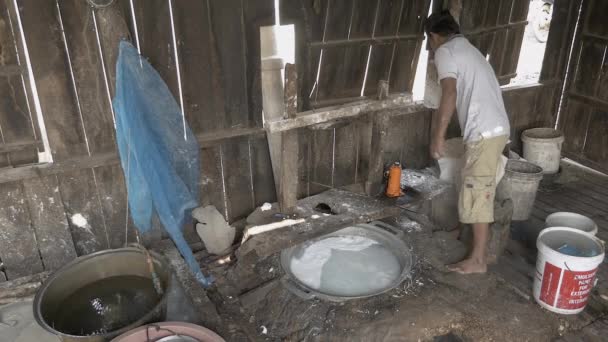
{"x":384,"y":234}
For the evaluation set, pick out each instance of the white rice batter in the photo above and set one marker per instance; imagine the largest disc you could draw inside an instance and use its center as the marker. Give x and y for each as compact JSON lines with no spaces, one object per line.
{"x":346,"y":266}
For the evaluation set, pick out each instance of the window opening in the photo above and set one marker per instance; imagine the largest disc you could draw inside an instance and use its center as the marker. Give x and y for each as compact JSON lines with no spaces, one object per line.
{"x":534,"y":42}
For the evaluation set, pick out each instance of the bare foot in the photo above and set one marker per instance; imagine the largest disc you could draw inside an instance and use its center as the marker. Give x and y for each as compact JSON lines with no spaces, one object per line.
{"x":469,"y":266}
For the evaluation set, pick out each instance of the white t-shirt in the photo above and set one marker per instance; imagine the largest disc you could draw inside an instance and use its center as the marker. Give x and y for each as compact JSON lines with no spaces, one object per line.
{"x":481,"y":110}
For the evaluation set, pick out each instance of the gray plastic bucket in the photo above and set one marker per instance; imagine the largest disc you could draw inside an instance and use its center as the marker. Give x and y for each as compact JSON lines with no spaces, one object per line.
{"x":520,"y":183}
{"x":543,"y":147}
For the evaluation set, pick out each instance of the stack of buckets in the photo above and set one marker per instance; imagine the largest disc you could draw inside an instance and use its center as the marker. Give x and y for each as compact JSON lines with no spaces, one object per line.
{"x":569,"y":254}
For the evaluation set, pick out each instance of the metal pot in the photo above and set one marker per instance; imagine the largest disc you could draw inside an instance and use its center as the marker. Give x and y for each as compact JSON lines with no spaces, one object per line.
{"x":91,"y":268}
{"x":387,"y":235}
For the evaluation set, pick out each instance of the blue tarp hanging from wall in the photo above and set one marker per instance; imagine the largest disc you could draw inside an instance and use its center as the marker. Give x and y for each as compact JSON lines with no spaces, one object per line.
{"x":158,"y":152}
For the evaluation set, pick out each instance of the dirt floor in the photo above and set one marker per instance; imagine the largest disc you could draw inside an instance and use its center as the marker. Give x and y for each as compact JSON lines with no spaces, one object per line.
{"x":432,"y":305}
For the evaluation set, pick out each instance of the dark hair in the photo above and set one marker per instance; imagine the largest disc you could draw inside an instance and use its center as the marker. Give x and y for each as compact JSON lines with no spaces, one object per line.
{"x":441,"y":23}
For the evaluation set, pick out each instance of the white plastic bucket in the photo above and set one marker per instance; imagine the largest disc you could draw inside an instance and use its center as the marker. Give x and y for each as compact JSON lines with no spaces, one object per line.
{"x":543,"y":147}
{"x":520,"y":184}
{"x":571,"y":220}
{"x":562,"y":282}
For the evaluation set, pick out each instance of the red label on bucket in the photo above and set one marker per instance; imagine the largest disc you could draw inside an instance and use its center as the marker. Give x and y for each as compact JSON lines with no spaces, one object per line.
{"x":548,"y":290}
{"x":573,"y":291}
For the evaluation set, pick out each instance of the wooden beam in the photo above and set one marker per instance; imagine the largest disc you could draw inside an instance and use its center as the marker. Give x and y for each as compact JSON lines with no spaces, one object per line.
{"x":10,"y":70}
{"x":366,"y":41}
{"x":20,"y":146}
{"x":109,"y":158}
{"x":594,"y":101}
{"x":314,"y":117}
{"x":41,"y":170}
{"x":211,"y":139}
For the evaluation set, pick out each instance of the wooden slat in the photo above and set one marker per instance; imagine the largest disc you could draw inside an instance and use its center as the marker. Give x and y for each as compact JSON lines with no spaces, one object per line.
{"x":595,"y":23}
{"x":588,"y":70}
{"x":212,"y":180}
{"x":112,"y":28}
{"x":210,"y":139}
{"x":256,"y":14}
{"x":18,"y":248}
{"x":156,"y":42}
{"x":237,"y":178}
{"x":49,"y":222}
{"x":313,"y":117}
{"x":560,"y":36}
{"x":602,"y":90}
{"x":597,"y":137}
{"x":564,"y":202}
{"x":591,"y":193}
{"x":32,"y":171}
{"x":110,"y":158}
{"x":263,"y":181}
{"x":378,"y":67}
{"x":229,"y":39}
{"x":414,"y":14}
{"x":574,"y":124}
{"x":415,"y":144}
{"x":597,"y":185}
{"x":19,"y":146}
{"x":304,"y":161}
{"x":593,"y":101}
{"x":91,"y":94}
{"x":49,"y":64}
{"x":82,"y":207}
{"x":342,"y":72}
{"x":15,"y":120}
{"x":345,"y":157}
{"x":389,"y":16}
{"x":12,"y":69}
{"x":512,"y":51}
{"x":404,"y":65}
{"x":361,"y":15}
{"x":520,"y":10}
{"x":504,"y":13}
{"x":363,"y":130}
{"x":555,"y":204}
{"x":338,"y":20}
{"x":112,"y":192}
{"x":201,"y":77}
{"x":322,"y":149}
{"x":472,"y":15}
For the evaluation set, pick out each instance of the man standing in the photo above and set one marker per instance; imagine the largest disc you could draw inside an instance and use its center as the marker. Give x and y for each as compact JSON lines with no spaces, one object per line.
{"x":469,"y":87}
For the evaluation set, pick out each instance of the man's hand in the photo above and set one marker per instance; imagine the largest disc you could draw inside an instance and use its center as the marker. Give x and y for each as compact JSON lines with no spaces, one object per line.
{"x":437,"y":148}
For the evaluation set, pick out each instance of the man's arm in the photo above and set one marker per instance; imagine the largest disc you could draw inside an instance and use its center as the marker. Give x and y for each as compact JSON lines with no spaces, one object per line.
{"x":447,"y":107}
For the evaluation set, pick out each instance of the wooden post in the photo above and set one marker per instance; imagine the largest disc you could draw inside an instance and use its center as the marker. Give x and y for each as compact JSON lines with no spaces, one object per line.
{"x":289,"y":144}
{"x":280,"y":102}
{"x":382,"y":89}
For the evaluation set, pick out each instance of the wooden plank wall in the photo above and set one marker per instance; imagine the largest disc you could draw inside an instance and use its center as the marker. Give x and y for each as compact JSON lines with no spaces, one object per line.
{"x":496,"y":28}
{"x":584,"y":117}
{"x":78,"y":205}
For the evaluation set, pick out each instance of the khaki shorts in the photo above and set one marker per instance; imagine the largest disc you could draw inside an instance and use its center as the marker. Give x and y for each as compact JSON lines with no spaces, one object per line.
{"x":476,"y":199}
